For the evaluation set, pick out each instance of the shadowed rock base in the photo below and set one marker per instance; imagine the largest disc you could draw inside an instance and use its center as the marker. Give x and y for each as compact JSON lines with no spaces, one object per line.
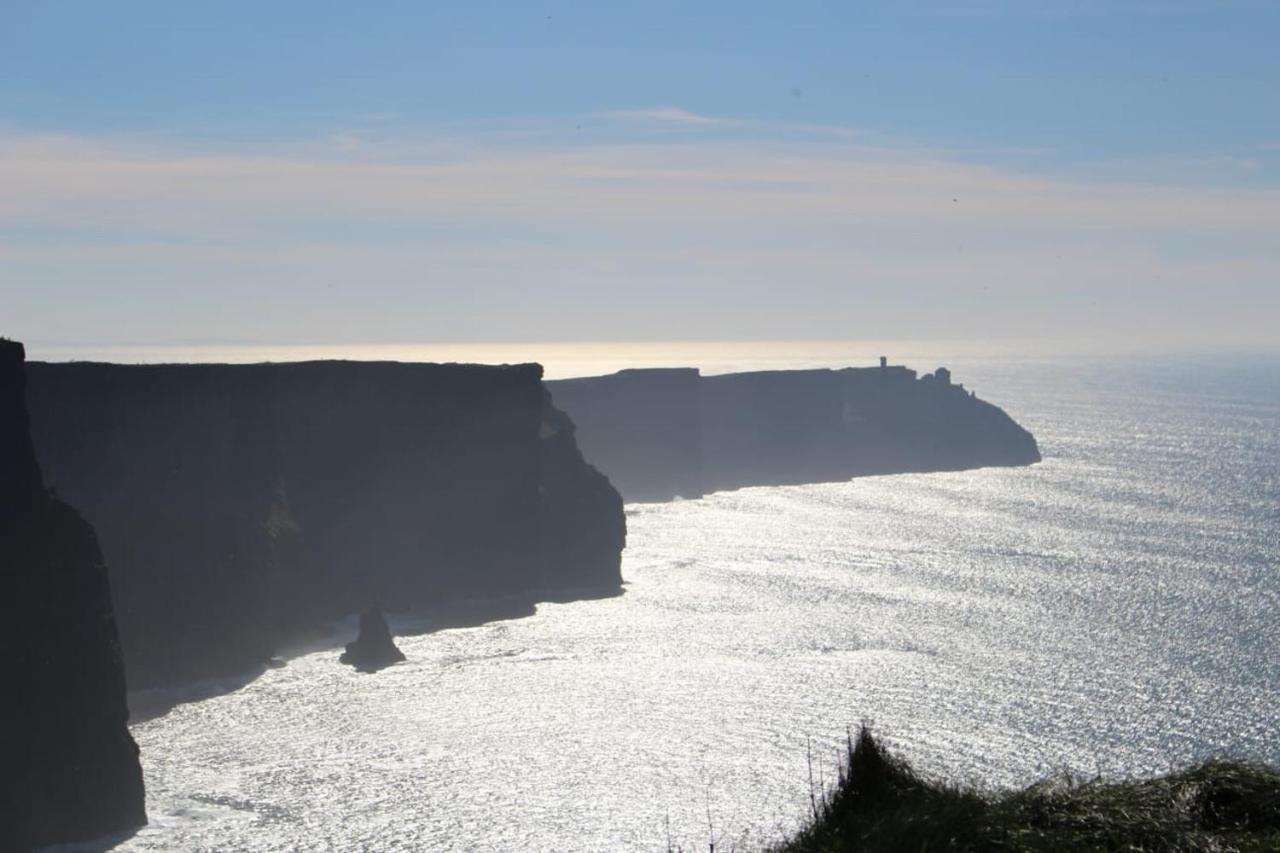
{"x":373,"y":649}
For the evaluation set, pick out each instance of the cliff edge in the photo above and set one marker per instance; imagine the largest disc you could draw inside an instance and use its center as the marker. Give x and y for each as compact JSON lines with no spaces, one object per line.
{"x":69,"y":769}
{"x":643,"y":427}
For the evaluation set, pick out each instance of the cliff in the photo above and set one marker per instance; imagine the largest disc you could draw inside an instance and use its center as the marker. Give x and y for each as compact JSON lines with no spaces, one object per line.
{"x":69,"y":769}
{"x":241,"y":505}
{"x":659,"y":434}
{"x":581,"y":522}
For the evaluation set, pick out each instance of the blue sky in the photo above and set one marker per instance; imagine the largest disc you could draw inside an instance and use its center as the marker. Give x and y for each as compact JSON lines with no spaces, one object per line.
{"x":311,"y":172}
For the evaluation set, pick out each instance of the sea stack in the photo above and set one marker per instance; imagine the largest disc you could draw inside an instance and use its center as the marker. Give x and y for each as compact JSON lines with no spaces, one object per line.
{"x":373,"y":649}
{"x":69,"y":769}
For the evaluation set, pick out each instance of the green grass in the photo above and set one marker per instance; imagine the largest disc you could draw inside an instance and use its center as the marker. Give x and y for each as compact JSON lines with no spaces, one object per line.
{"x":880,"y":804}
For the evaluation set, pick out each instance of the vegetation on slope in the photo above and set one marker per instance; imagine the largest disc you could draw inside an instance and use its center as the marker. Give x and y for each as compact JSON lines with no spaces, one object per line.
{"x":879,"y":804}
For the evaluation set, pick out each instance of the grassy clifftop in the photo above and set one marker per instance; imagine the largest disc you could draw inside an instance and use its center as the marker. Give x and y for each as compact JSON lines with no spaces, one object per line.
{"x":879,"y":804}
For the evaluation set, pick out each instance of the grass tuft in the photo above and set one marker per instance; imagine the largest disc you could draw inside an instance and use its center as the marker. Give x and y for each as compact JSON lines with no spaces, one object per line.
{"x":879,"y":804}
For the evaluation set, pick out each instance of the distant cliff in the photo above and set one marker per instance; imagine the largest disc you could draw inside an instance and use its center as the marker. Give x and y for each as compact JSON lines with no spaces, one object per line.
{"x":68,"y":768}
{"x":240,"y":505}
{"x":659,"y":434}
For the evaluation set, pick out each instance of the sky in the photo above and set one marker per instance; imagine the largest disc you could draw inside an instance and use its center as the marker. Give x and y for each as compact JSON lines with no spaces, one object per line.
{"x":315,"y":172}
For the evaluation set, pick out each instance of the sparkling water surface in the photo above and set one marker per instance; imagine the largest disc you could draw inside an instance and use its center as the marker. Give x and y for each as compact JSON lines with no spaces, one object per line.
{"x":1112,"y":610}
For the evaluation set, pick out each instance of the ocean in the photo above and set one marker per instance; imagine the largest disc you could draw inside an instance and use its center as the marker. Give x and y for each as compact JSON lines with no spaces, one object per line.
{"x":1110,"y":611}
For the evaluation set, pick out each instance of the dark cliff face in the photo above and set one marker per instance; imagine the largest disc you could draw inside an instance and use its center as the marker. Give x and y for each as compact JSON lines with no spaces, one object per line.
{"x":648,"y":429}
{"x":582,"y":525}
{"x":268,"y":498}
{"x":415,"y":482}
{"x":68,"y":767}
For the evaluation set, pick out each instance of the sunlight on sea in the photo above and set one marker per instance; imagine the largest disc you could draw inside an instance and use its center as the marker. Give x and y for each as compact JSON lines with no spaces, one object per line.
{"x":1111,"y":610}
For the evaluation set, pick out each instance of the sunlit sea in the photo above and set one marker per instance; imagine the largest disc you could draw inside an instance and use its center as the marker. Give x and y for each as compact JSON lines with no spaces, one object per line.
{"x":1112,"y":610}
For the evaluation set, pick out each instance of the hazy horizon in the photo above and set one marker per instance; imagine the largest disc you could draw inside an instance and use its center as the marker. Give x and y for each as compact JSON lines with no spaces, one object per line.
{"x":566,"y":359}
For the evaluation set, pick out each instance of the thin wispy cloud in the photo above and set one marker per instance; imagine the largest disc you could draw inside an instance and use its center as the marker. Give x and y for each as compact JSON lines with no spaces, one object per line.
{"x":66,"y":180}
{"x":664,"y":115}
{"x":480,"y":233}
